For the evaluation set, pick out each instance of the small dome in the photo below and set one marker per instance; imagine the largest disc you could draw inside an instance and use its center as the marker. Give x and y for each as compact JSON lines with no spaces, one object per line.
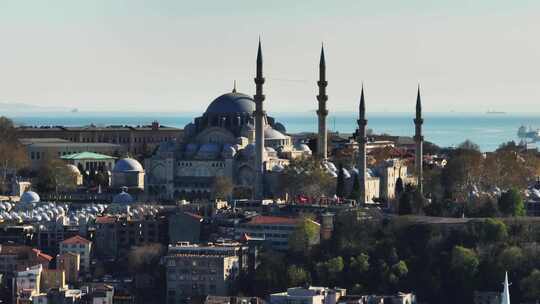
{"x":232,"y":103}
{"x":123,"y":198}
{"x":303,"y":147}
{"x":29,"y":197}
{"x":270,"y":150}
{"x":128,"y":165}
{"x":278,"y":168}
{"x":73,"y":169}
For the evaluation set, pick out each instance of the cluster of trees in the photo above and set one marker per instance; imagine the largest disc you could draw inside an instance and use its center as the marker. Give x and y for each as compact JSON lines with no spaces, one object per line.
{"x":12,"y":154}
{"x":469,"y":170}
{"x":439,"y":262}
{"x":306,"y":176}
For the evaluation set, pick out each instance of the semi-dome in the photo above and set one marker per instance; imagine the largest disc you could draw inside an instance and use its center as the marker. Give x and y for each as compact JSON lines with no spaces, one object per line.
{"x":29,"y":197}
{"x":128,"y":165}
{"x":270,"y":133}
{"x":232,"y":103}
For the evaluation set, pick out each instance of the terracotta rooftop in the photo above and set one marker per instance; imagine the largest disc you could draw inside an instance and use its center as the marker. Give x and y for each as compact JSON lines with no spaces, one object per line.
{"x":42,"y":255}
{"x":105,"y":220}
{"x":75,"y":240}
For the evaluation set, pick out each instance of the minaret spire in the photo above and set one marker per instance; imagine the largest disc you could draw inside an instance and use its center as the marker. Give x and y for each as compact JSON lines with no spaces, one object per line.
{"x":419,"y":140}
{"x":259,"y":125}
{"x":322,"y":111}
{"x":505,"y":297}
{"x":234,"y":87}
{"x":362,"y":140}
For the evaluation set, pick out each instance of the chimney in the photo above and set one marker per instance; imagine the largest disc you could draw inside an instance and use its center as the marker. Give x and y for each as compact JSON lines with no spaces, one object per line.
{"x":155,"y":125}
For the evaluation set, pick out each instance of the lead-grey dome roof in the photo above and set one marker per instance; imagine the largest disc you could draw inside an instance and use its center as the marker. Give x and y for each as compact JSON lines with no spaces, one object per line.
{"x":128,"y":165}
{"x":123,"y":198}
{"x":29,"y":197}
{"x":231,"y":103}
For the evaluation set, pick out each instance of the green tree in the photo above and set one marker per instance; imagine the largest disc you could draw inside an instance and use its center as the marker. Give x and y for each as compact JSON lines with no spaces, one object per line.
{"x":530,"y":286}
{"x":463,"y":169}
{"x":13,"y":156}
{"x":464,"y":262}
{"x":511,"y":203}
{"x":54,"y":176}
{"x":329,"y":271}
{"x":297,"y":276}
{"x":305,"y":235}
{"x":307,"y":176}
{"x":494,"y":231}
{"x":359,"y":264}
{"x":511,"y":258}
{"x":398,"y":271}
{"x":269,"y":275}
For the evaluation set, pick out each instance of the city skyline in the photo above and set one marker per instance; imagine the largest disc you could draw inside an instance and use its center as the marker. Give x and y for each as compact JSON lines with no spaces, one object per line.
{"x":178,"y":56}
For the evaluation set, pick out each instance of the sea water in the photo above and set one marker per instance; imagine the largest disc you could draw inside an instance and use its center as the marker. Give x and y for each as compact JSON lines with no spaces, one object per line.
{"x":443,"y":129}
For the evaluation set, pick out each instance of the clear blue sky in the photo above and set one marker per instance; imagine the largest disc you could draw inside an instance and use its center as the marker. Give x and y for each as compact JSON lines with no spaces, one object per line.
{"x":179,"y":55}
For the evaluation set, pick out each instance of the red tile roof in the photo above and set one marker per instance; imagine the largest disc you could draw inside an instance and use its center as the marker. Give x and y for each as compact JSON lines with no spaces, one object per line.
{"x":75,"y":240}
{"x":42,"y":255}
{"x":272,"y":220}
{"x":14,"y":249}
{"x":105,"y":220}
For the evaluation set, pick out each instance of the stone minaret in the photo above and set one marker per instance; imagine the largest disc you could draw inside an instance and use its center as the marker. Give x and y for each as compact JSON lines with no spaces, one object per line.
{"x":259,"y":125}
{"x":419,"y":140}
{"x":322,"y":112}
{"x":362,"y":140}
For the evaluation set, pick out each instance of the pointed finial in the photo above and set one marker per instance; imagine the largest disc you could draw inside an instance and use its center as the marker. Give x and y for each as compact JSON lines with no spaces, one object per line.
{"x":234,"y":87}
{"x":322,"y":61}
{"x":418,"y":102}
{"x":259,"y":52}
{"x":362,"y":103}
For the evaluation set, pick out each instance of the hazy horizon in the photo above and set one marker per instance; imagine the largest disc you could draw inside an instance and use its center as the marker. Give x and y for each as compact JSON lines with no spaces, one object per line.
{"x":177,"y":56}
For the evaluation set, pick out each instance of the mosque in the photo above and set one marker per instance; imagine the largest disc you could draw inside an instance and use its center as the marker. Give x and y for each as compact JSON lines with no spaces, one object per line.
{"x":235,"y":139}
{"x":223,"y":142}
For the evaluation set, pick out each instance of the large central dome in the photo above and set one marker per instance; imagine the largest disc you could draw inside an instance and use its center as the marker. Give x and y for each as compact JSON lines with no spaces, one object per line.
{"x":231,"y":103}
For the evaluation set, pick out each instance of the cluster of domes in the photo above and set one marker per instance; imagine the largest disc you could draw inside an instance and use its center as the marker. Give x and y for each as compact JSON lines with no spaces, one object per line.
{"x":334,"y":172}
{"x":49,"y":213}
